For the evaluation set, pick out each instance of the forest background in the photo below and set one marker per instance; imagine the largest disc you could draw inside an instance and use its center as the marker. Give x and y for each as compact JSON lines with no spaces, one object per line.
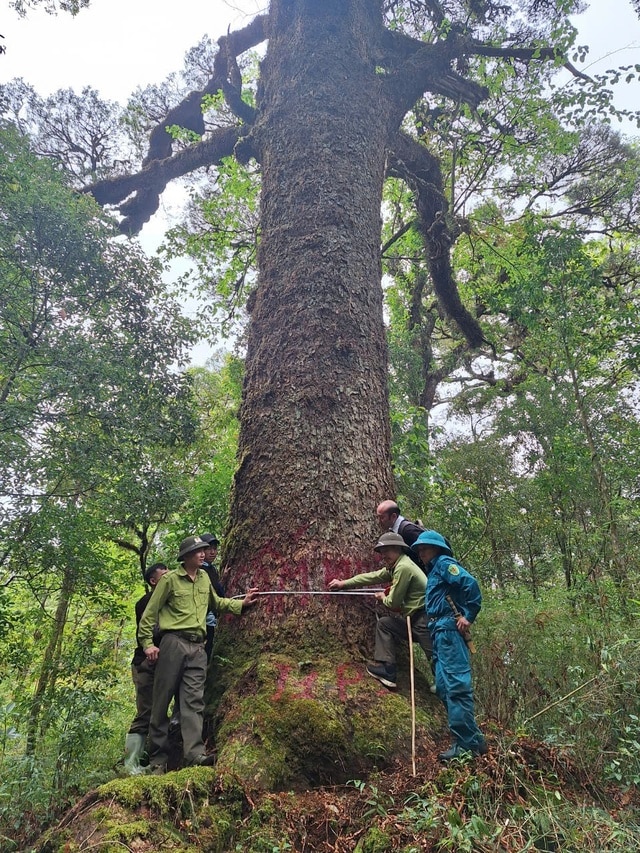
{"x":523,"y":450}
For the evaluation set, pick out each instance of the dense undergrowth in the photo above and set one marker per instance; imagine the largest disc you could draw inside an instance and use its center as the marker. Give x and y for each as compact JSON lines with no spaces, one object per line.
{"x":557,"y":694}
{"x":520,"y":797}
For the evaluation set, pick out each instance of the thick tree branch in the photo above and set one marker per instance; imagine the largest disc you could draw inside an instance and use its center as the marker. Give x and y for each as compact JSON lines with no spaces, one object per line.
{"x":418,"y":67}
{"x":226,"y":73}
{"x":399,"y":47}
{"x":126,"y":545}
{"x":149,"y":182}
{"x":160,"y":165}
{"x":225,"y":77}
{"x":421,"y":170}
{"x":525,"y":54}
{"x":427,"y":68}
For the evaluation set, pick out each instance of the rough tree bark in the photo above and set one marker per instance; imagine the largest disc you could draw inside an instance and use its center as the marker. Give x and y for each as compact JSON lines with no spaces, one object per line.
{"x":314,"y":455}
{"x":315,"y":443}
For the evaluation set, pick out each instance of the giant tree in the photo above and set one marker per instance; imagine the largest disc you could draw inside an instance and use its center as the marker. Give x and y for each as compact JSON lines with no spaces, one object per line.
{"x":337,"y":81}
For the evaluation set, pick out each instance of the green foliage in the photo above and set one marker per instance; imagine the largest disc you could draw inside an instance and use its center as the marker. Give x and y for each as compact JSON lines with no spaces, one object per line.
{"x":94,"y":418}
{"x":566,"y":675}
{"x":212,"y":457}
{"x":99,"y":435}
{"x":80,"y":132}
{"x":182,"y":134}
{"x":623,"y":765}
{"x":482,"y":815}
{"x":88,"y":337}
{"x":221,"y":237}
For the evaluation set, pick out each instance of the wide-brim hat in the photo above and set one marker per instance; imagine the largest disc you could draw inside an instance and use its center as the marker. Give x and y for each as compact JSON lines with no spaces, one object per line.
{"x":191,"y":543}
{"x":391,"y":540}
{"x":210,"y":538}
{"x":432,"y":537}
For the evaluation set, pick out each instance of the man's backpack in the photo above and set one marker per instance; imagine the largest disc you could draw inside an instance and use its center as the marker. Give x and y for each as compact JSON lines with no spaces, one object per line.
{"x":410,"y":530}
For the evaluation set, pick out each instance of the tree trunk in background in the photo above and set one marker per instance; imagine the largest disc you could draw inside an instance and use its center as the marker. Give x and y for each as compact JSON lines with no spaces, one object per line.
{"x":50,"y":661}
{"x":291,"y":701}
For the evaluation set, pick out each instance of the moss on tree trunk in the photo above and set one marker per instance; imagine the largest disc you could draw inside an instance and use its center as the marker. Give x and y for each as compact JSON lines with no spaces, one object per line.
{"x":294,"y":708}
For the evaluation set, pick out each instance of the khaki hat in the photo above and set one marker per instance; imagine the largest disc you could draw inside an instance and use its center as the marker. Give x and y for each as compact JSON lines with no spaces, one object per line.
{"x":391,"y":540}
{"x":191,"y":543}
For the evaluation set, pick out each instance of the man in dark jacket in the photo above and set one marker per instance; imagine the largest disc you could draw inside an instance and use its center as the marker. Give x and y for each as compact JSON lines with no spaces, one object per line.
{"x":211,"y":569}
{"x":390,"y":518}
{"x":142,"y":672}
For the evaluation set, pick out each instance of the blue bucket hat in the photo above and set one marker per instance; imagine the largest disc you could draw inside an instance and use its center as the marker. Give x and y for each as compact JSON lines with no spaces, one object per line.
{"x":432,"y":537}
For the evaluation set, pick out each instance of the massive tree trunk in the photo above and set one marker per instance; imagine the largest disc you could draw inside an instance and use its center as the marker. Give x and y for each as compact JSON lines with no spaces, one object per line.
{"x":315,"y":438}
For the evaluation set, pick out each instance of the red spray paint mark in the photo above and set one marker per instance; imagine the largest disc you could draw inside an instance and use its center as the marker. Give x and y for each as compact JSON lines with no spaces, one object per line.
{"x":345,"y":681}
{"x":283,"y":673}
{"x":345,"y":567}
{"x":307,"y":686}
{"x":346,"y":676}
{"x":304,"y":689}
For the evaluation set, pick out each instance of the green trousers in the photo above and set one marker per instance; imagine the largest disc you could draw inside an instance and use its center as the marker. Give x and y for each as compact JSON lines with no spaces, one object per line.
{"x":143,"y":677}
{"x":180,"y":670}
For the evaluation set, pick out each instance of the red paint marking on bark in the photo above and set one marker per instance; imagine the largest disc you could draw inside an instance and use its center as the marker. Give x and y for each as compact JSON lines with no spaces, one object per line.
{"x":343,"y":568}
{"x":308,"y":683}
{"x":304,"y":689}
{"x":283,"y":673}
{"x":344,"y":681}
{"x":300,"y":532}
{"x":270,"y":570}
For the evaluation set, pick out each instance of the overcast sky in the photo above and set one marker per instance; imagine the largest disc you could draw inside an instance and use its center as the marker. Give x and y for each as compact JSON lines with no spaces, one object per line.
{"x":116,"y":45}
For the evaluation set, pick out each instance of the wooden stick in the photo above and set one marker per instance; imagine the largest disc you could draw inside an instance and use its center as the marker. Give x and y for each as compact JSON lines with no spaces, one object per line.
{"x":413,"y":698}
{"x":562,"y":698}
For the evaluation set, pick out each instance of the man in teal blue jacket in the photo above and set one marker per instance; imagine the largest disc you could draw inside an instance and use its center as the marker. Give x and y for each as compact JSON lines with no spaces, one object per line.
{"x":453,"y":601}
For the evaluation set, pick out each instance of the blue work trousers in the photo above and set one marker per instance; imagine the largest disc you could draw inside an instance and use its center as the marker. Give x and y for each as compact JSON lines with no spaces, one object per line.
{"x":453,"y":685}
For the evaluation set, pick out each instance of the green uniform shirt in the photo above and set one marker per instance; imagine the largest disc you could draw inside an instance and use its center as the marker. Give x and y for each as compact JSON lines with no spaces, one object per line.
{"x":181,"y":604}
{"x":408,"y":585}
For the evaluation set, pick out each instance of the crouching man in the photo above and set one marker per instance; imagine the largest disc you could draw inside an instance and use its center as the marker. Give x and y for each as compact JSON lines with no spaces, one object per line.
{"x":179,"y":607}
{"x":405,"y":597}
{"x":453,"y":601}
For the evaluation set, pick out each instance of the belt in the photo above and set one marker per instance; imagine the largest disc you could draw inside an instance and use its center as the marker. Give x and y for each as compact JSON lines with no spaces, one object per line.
{"x":185,"y":635}
{"x":448,"y":617}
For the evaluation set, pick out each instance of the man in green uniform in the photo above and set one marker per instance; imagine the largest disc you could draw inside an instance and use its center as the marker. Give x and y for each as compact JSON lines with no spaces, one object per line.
{"x":405,"y":597}
{"x":179,"y":607}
